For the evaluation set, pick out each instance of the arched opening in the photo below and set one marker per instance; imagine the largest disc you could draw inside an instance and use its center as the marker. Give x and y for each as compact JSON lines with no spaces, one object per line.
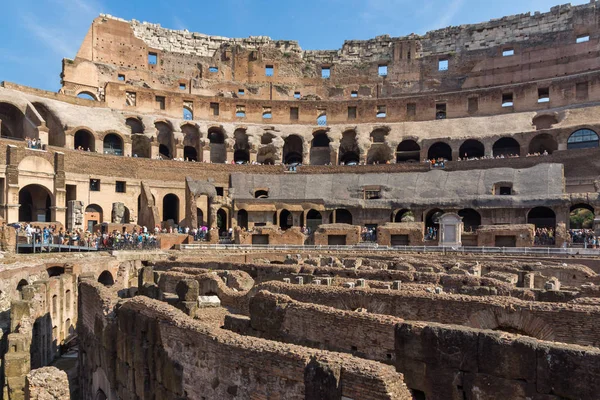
{"x":404,"y":215}
{"x":342,"y":216}
{"x":135,"y":125}
{"x":379,"y":153}
{"x":171,"y":208}
{"x":432,"y":224}
{"x":544,"y":121}
{"x":93,"y":216}
{"x":222,"y":222}
{"x":190,"y":153}
{"x":471,"y":219}
{"x":140,"y":146}
{"x":261,"y":194}
{"x":319,"y":150}
{"x":100,"y":395}
{"x":440,"y":150}
{"x":55,"y":271}
{"x":191,"y":142}
{"x":84,"y":140}
{"x":106,"y":279}
{"x":472,"y":149}
{"x":506,"y":147}
{"x":408,"y":151}
{"x":581,"y":216}
{"x":378,"y":136}
{"x":313,"y":220}
{"x":349,"y":153}
{"x":22,"y":283}
{"x":35,"y":202}
{"x":286,"y":220}
{"x":242,"y":219}
{"x":241,"y":147}
{"x":542,"y":144}
{"x":544,"y":220}
{"x":582,"y":139}
{"x":87,"y":96}
{"x":13,"y":122}
{"x":218,"y":151}
{"x":165,"y":139}
{"x":113,"y":145}
{"x":56,"y":131}
{"x":292,"y":150}
{"x":188,"y":114}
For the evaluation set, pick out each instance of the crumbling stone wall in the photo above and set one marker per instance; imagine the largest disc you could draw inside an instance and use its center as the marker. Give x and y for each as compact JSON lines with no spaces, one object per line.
{"x":186,"y":359}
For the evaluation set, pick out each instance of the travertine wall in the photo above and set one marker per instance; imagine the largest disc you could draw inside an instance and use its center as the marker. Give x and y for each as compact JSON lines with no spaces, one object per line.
{"x":161,"y":352}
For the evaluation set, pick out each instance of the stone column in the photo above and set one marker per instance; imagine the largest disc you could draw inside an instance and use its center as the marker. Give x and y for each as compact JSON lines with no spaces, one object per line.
{"x":127,"y":149}
{"x":43,"y":132}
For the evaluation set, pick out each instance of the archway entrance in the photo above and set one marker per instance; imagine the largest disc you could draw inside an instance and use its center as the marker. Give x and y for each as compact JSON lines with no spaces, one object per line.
{"x":543,"y":143}
{"x":313,"y":220}
{"x":471,"y":219}
{"x":292,"y":150}
{"x":286,"y":220}
{"x":544,"y":220}
{"x":171,"y":208}
{"x":506,"y":147}
{"x":341,"y":216}
{"x":404,"y":215}
{"x":106,"y":278}
{"x":222,"y":222}
{"x":472,"y":149}
{"x":408,"y":151}
{"x":218,"y":151}
{"x":93,"y":216}
{"x":190,"y":153}
{"x":432,"y":224}
{"x":440,"y":150}
{"x":84,"y":140}
{"x":242,"y":219}
{"x":319,"y":151}
{"x":140,"y":146}
{"x":113,"y":145}
{"x":581,"y":216}
{"x":35,"y":202}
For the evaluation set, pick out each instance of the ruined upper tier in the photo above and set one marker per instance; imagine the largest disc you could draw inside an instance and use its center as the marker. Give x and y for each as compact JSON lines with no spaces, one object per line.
{"x":516,"y":49}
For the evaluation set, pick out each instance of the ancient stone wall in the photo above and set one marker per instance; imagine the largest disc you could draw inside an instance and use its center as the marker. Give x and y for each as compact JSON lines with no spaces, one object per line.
{"x":182,"y":355}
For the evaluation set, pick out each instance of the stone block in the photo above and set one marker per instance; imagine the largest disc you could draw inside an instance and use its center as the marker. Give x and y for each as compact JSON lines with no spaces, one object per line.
{"x":188,"y":290}
{"x":208,"y":301}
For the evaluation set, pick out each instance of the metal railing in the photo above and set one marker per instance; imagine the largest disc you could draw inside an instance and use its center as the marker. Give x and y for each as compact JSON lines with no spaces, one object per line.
{"x":419,"y":249}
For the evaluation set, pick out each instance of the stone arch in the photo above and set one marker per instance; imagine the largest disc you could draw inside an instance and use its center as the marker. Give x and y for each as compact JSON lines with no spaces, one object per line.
{"x":542,"y":217}
{"x":135,"y":124}
{"x":170,"y":208}
{"x":56,"y":131}
{"x":13,"y":121}
{"x":313,"y":219}
{"x":581,"y":216}
{"x":141,"y":146}
{"x":286,"y":219}
{"x":341,"y":216}
{"x":471,"y":219}
{"x":222,"y":221}
{"x":432,"y":216}
{"x":165,"y":139}
{"x":512,"y":321}
{"x":22,"y":283}
{"x":106,"y":278}
{"x":218,"y":149}
{"x":378,"y":135}
{"x":35,"y":203}
{"x":349,"y":152}
{"x":379,"y":153}
{"x":319,"y":149}
{"x":241,"y":146}
{"x":506,"y":146}
{"x":583,"y":139}
{"x":242,"y":219}
{"x":403,"y":215}
{"x":440,"y":150}
{"x":112,"y":144}
{"x":84,"y":139}
{"x":93,"y":215}
{"x":191,"y":142}
{"x":87,"y":95}
{"x":408,"y":151}
{"x":293,"y":148}
{"x":472,"y":148}
{"x":544,"y":142}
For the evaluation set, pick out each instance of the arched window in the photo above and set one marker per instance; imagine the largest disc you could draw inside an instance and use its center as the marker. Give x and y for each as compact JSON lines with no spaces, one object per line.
{"x":87,"y":96}
{"x":171,"y":208}
{"x":13,"y":121}
{"x":506,"y":146}
{"x":218,"y":152}
{"x":404,"y":215}
{"x":135,"y":124}
{"x":106,"y":278}
{"x":113,"y":144}
{"x":440,"y":150}
{"x":35,"y":203}
{"x":292,"y":150}
{"x":319,"y":151}
{"x":190,"y":153}
{"x":349,"y":152}
{"x":165,"y":139}
{"x":242,"y":217}
{"x":342,"y":216}
{"x":286,"y":220}
{"x":543,"y":143}
{"x":471,"y":219}
{"x":582,"y":139}
{"x":472,"y":149}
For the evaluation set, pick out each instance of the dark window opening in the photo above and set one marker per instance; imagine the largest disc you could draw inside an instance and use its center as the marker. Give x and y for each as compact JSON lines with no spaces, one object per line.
{"x":120,"y":187}
{"x":94,"y":185}
{"x":215,"y":108}
{"x":152,"y":58}
{"x":160,"y":102}
{"x":440,"y":111}
{"x":507,"y":100}
{"x":505,"y":191}
{"x":381,"y":111}
{"x":240,"y":111}
{"x":543,"y":95}
{"x":261,"y":194}
{"x":182,"y":86}
{"x":121,"y":77}
{"x":294,"y":113}
{"x":351,"y":112}
{"x":220,"y":191}
{"x":508,"y":52}
{"x":372,"y":194}
{"x":297,"y":95}
{"x":354,"y":93}
{"x":241,"y":92}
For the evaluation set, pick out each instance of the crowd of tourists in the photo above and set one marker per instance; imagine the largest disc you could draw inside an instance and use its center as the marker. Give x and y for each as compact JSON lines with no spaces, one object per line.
{"x":544,"y":237}
{"x":440,"y":161}
{"x":369,"y":234}
{"x":115,"y":240}
{"x":431,"y":233}
{"x":585,"y":237}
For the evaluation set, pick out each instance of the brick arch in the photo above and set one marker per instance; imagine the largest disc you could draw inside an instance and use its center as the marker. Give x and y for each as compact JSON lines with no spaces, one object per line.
{"x":521,"y":322}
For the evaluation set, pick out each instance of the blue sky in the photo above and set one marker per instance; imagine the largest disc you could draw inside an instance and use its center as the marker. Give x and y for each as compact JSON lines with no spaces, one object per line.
{"x":37,"y":34}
